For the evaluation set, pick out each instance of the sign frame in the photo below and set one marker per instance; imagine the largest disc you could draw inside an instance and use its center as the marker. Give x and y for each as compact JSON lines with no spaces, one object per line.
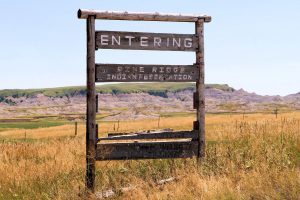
{"x":193,"y":145}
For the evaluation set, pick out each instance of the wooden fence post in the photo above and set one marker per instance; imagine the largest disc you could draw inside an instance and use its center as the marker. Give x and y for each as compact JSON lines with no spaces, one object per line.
{"x":91,"y":106}
{"x":200,"y":87}
{"x":276,"y":112}
{"x":75,"y":128}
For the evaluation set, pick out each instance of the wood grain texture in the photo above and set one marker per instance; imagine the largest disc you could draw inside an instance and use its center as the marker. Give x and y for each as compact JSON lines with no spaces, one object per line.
{"x":146,"y":150}
{"x":145,"y":41}
{"x":159,"y":135}
{"x":200,"y":87}
{"x":195,"y":100}
{"x":91,"y":140}
{"x":117,"y":15}
{"x":97,"y":101}
{"x":146,"y":73}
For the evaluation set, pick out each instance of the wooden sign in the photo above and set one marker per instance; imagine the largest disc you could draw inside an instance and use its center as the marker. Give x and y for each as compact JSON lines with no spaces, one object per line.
{"x":145,"y":41}
{"x":150,"y":145}
{"x":146,"y":73}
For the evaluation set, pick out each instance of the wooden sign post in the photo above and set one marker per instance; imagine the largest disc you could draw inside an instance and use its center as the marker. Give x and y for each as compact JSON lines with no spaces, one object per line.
{"x":167,"y":144}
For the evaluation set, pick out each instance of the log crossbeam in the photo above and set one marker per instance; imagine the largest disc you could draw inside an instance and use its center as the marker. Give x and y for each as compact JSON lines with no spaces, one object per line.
{"x":117,"y":15}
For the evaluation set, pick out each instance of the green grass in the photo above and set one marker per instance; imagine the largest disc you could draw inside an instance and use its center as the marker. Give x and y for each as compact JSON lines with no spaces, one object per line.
{"x":30,"y":125}
{"x":159,"y":89}
{"x":177,"y":114}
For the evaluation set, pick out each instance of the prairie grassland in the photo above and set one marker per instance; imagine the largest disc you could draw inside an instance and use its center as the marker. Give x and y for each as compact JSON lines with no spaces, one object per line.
{"x":252,"y":157}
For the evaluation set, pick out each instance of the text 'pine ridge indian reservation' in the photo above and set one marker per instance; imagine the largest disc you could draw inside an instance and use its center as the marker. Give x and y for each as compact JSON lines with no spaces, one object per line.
{"x":145,"y":73}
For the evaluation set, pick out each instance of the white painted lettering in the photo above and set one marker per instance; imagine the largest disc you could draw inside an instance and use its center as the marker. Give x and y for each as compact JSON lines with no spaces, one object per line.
{"x":154,"y":69}
{"x":134,"y":76}
{"x":134,"y":69}
{"x":176,"y":42}
{"x":175,"y":69}
{"x":144,"y":41}
{"x":119,"y":69}
{"x":161,"y":70}
{"x":129,"y":39}
{"x":104,"y":39}
{"x":188,"y":42}
{"x":115,"y":40}
{"x":142,"y":69}
{"x":182,"y":70}
{"x":157,"y":41}
{"x":168,"y":69}
{"x":127,"y":69}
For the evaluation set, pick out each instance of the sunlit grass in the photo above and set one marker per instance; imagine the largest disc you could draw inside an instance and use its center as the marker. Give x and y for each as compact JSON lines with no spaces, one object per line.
{"x":255,"y":156}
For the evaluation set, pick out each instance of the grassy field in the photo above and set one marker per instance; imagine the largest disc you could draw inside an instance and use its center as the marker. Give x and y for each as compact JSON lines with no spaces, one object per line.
{"x":153,"y":88}
{"x":255,"y":156}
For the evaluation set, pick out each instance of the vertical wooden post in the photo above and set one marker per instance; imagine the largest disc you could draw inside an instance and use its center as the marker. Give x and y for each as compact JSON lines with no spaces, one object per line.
{"x":200,"y":88}
{"x":97,"y":101}
{"x":276,"y":112}
{"x":76,"y":128}
{"x":91,"y":106}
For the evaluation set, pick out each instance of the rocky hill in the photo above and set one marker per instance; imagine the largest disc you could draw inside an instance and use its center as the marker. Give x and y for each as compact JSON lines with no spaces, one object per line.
{"x":132,"y":100}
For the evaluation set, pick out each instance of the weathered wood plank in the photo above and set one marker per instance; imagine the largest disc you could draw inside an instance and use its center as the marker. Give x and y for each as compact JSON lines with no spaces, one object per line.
{"x":145,"y":41}
{"x":146,"y":150}
{"x":146,"y":73}
{"x":117,"y":15}
{"x":142,"y":132}
{"x":160,"y":135}
{"x":200,"y":87}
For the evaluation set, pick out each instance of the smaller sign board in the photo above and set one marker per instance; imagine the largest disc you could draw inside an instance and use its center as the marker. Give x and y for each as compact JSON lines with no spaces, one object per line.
{"x":146,"y":73}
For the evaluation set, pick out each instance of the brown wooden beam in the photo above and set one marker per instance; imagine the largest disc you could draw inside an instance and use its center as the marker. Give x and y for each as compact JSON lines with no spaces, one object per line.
{"x":116,"y":15}
{"x":147,"y":150}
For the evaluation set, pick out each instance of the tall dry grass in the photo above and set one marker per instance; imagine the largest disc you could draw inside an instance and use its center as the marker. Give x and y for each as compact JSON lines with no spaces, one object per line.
{"x":257,"y":157}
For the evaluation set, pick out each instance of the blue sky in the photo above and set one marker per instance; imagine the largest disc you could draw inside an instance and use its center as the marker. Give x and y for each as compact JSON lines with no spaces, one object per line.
{"x":252,"y":45}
